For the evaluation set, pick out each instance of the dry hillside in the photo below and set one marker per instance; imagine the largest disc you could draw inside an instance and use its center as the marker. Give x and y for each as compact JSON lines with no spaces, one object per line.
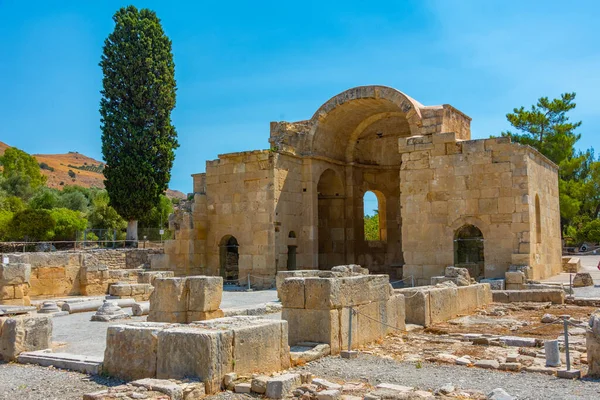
{"x":85,"y":171}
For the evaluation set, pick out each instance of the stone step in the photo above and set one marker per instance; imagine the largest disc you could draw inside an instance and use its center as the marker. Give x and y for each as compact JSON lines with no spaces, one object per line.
{"x":74,"y":362}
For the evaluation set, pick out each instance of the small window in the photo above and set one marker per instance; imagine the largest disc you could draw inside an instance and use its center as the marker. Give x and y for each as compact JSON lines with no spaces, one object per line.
{"x":374,"y":216}
{"x":292,"y":235}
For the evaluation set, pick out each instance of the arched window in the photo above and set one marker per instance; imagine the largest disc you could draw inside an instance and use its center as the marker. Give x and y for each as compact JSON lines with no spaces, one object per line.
{"x":229,"y":258}
{"x":374,"y":216}
{"x":538,"y":220}
{"x":292,"y":235}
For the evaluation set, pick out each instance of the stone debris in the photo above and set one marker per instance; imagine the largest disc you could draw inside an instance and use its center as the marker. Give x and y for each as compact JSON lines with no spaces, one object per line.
{"x":109,"y":311}
{"x":154,"y":389}
{"x":583,"y":279}
{"x":549,"y":319}
{"x":280,"y":386}
{"x":487,"y":364}
{"x":500,"y":394}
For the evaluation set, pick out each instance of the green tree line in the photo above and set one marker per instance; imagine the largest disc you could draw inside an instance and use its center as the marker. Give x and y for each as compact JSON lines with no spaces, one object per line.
{"x":29,"y":210}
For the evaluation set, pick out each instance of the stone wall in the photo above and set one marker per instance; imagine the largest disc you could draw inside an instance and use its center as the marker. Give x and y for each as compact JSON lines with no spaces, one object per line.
{"x":184,"y":300}
{"x":447,"y":184}
{"x":317,"y":309}
{"x":14,"y":284}
{"x":433,"y":304}
{"x":204,"y":350}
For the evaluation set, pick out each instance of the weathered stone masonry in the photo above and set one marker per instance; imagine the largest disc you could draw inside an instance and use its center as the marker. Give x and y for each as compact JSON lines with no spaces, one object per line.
{"x":443,"y":199}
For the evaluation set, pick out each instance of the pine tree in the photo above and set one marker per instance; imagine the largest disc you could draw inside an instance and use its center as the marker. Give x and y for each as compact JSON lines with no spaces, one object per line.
{"x":138,"y":138}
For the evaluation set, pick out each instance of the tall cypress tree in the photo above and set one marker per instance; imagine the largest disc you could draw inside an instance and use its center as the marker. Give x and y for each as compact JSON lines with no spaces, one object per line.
{"x":138,"y":138}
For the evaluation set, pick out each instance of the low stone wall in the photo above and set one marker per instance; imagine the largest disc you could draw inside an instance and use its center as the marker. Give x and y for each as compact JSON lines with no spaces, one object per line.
{"x":555,"y":296}
{"x":14,"y":284}
{"x":24,"y":333}
{"x":428,"y":305}
{"x":317,"y":309}
{"x":592,"y":342}
{"x":335,"y":272}
{"x":137,"y":291}
{"x":85,"y":272}
{"x":188,"y":299}
{"x":205,"y":350}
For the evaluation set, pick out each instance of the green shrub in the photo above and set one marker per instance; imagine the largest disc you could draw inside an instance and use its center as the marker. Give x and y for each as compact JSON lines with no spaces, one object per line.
{"x":5,"y":218}
{"x":67,"y":223}
{"x":35,"y":225}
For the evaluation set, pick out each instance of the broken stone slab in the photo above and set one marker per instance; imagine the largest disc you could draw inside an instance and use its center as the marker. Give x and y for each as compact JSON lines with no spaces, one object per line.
{"x":305,"y":352}
{"x":280,"y":386}
{"x":500,"y":394}
{"x":541,"y":370}
{"x":243,"y":387}
{"x":155,"y":389}
{"x":329,"y":395}
{"x":463,"y":361}
{"x":140,"y":309}
{"x":259,"y":384}
{"x":14,"y":274}
{"x":109,"y":311}
{"x":516,"y":341}
{"x":74,"y":362}
{"x":325,"y":384}
{"x":487,"y":364}
{"x":569,"y":373}
{"x":10,"y":310}
{"x":510,"y":366}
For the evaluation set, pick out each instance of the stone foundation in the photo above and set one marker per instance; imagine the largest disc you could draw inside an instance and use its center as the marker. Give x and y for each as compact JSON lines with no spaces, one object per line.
{"x":137,"y":291}
{"x":14,"y":284}
{"x":318,"y":309}
{"x":183,"y":300}
{"x":555,"y":296}
{"x":205,"y":350}
{"x":24,"y":333}
{"x":429,"y":305}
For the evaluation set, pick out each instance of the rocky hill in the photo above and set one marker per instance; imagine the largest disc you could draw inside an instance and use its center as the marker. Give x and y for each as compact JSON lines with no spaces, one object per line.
{"x":74,"y":168}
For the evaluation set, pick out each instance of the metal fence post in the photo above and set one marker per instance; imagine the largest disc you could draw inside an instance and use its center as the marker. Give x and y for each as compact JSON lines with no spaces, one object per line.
{"x":350,"y":328}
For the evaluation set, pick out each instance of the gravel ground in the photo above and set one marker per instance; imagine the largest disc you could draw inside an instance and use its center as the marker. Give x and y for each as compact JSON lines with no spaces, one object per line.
{"x":29,"y":382}
{"x":524,"y":385}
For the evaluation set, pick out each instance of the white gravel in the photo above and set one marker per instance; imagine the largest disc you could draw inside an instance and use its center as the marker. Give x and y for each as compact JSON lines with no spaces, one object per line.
{"x":430,"y":376}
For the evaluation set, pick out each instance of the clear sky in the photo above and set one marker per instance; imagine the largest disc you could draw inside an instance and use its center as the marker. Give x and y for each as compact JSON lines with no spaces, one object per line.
{"x":240,"y":65}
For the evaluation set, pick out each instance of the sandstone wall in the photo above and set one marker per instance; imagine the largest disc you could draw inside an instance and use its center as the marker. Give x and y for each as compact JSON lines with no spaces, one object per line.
{"x":317,"y":309}
{"x":15,"y":284}
{"x":433,"y":304}
{"x":544,"y":247}
{"x":204,"y":350}
{"x":447,"y":184}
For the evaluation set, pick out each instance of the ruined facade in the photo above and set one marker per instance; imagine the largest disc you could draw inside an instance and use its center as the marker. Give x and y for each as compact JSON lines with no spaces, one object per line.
{"x":443,"y":199}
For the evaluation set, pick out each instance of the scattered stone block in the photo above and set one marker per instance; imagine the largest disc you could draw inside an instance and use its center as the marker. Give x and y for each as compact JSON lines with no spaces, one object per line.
{"x":514,"y":277}
{"x":244,"y":387}
{"x":329,"y":395}
{"x":487,"y":364}
{"x":280,"y":386}
{"x":259,"y":384}
{"x":23,"y":333}
{"x":592,"y":343}
{"x":495,"y":284}
{"x":229,"y":379}
{"x":510,"y":366}
{"x":500,"y":394}
{"x":548,"y":319}
{"x":349,"y":354}
{"x":463,"y":361}
{"x":569,"y":374}
{"x":583,"y":279}
{"x":325,"y":384}
{"x":303,"y":353}
{"x":515,"y":341}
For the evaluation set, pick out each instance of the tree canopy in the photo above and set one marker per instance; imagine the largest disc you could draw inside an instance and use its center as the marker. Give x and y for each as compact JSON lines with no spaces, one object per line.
{"x":138,"y":95}
{"x":546,"y":126}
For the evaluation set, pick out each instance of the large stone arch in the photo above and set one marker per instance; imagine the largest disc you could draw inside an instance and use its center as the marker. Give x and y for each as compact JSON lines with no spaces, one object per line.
{"x":339,"y":122}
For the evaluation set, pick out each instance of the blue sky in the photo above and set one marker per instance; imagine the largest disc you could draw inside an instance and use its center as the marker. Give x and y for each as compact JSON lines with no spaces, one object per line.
{"x":240,"y":65}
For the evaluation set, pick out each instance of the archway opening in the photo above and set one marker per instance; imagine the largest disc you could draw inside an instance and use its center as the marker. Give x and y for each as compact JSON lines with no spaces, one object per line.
{"x":375,"y":228}
{"x":229,"y":258}
{"x":331,"y":235}
{"x":291,"y":258}
{"x":468,"y":250}
{"x":292,"y":235}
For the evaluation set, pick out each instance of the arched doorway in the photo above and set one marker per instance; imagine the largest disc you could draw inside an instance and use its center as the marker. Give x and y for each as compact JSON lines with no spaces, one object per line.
{"x":292,"y":250}
{"x":468,"y":250}
{"x":229,"y":258}
{"x":375,"y":222}
{"x":331,"y":236}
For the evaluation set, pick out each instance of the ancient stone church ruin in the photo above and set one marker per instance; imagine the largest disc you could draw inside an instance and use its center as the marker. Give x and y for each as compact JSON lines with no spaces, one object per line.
{"x":443,"y":199}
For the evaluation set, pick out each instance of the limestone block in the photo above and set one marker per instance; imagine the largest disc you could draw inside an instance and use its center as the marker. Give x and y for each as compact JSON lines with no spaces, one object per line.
{"x":188,"y":351}
{"x":443,"y":304}
{"x":15,"y":274}
{"x":467,"y":299}
{"x":205,"y":293}
{"x":7,"y":292}
{"x":24,"y":333}
{"x":291,"y":293}
{"x":192,"y":316}
{"x":280,"y":386}
{"x":328,"y":293}
{"x":321,"y":326}
{"x":170,"y":295}
{"x":120,"y":290}
{"x":514,"y":286}
{"x":514,"y":277}
{"x":167,"y":316}
{"x":131,"y":350}
{"x":583,"y":279}
{"x":416,"y":306}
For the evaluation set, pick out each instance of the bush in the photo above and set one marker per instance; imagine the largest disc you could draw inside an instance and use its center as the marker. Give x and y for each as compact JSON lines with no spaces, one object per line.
{"x":45,"y":166}
{"x":72,"y":174}
{"x":5,"y":218}
{"x":33,"y":225}
{"x":44,"y":199}
{"x":67,"y":223}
